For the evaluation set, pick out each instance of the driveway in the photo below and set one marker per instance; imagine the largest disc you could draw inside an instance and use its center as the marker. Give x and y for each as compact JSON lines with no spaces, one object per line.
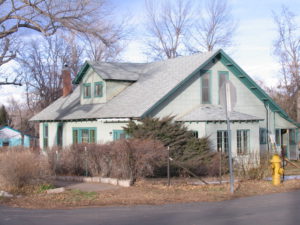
{"x":274,"y":209}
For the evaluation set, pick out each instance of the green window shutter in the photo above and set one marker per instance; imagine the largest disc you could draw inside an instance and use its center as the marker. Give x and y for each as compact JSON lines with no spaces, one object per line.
{"x":75,"y":136}
{"x":45,"y":135}
{"x":92,"y":136}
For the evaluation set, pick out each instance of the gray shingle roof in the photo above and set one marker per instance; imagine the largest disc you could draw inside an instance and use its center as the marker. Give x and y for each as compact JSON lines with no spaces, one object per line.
{"x":215,"y":113}
{"x":155,"y":80}
{"x":118,"y":71}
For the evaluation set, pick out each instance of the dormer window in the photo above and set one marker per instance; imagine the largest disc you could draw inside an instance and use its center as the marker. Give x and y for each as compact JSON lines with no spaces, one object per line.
{"x":87,"y":90}
{"x":98,"y":89}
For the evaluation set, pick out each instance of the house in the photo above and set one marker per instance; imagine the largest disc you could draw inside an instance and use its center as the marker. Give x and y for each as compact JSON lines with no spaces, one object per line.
{"x":10,"y":137}
{"x":108,"y":95}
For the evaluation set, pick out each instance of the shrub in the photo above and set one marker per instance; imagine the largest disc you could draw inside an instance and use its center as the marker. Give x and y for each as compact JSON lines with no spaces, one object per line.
{"x":252,"y":167}
{"x":194,"y":153}
{"x":124,"y":159}
{"x":22,"y":168}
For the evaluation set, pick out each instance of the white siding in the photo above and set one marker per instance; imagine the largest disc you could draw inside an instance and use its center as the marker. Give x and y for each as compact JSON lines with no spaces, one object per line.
{"x":92,"y":77}
{"x":104,"y":131}
{"x":212,"y":128}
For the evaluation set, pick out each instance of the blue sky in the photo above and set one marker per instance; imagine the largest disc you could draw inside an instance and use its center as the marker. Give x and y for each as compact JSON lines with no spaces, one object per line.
{"x":253,"y":40}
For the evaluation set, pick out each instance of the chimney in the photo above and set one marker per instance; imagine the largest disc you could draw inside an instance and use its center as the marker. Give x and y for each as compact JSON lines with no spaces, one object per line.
{"x":66,"y":78}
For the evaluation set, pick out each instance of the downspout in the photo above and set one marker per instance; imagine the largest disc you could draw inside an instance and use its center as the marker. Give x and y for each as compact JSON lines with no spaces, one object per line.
{"x":267,"y":124}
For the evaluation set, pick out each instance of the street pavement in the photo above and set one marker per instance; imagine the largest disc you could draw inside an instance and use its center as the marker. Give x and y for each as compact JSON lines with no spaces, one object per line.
{"x":273,"y":209}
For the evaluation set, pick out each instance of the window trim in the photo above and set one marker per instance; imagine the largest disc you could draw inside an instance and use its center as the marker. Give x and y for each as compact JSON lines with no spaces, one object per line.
{"x":203,"y":72}
{"x":116,"y":132}
{"x":227,"y":77}
{"x":95,"y":84}
{"x":84,"y":86}
{"x":79,"y":134}
{"x":248,"y":144}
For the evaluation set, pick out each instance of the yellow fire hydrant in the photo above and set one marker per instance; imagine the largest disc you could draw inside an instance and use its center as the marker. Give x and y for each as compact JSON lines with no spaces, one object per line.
{"x":277,"y":169}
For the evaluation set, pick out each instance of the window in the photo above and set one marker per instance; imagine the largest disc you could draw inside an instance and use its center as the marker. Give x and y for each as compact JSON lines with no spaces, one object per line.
{"x":292,"y":137}
{"x":98,"y":89}
{"x":59,"y":134}
{"x":263,"y":135}
{"x":195,"y":133}
{"x":119,"y":134}
{"x":45,"y":135}
{"x":223,"y":77}
{"x":87,"y":90}
{"x":84,"y":135}
{"x":205,"y":83}
{"x":278,"y":137}
{"x":222,"y":141}
{"x":5,"y":144}
{"x":243,"y":141}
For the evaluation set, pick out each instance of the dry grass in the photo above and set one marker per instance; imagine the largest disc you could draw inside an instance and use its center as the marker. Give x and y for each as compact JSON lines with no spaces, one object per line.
{"x":145,"y":192}
{"x":20,"y":168}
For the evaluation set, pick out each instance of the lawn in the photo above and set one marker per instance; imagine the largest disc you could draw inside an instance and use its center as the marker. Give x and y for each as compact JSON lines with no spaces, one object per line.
{"x":148,"y":192}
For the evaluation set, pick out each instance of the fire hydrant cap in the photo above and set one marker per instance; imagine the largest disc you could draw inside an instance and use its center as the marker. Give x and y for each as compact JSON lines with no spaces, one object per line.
{"x":275,"y":159}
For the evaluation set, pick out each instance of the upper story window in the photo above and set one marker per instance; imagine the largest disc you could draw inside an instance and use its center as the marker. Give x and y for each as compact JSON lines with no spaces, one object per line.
{"x":205,"y":84}
{"x":87,"y":90}
{"x":98,"y":88}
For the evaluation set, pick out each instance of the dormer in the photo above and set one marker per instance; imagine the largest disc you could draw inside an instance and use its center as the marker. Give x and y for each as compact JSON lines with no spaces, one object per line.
{"x":101,"y":81}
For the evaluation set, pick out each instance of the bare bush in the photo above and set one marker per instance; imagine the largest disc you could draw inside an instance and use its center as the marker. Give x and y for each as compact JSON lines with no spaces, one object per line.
{"x":125,"y":159}
{"x":252,"y":167}
{"x":19,"y":168}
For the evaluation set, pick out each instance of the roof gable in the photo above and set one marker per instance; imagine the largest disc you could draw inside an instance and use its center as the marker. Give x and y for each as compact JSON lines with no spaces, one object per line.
{"x":111,"y":71}
{"x":155,"y":83}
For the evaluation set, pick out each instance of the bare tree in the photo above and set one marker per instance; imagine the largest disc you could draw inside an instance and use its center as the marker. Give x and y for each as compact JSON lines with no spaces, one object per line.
{"x":49,"y":16}
{"x":167,"y":26}
{"x":287,"y":50}
{"x":40,"y":67}
{"x":214,"y":28}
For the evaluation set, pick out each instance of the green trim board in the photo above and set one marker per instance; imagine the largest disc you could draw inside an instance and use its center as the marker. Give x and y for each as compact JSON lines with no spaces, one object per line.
{"x":81,"y":73}
{"x":100,"y":83}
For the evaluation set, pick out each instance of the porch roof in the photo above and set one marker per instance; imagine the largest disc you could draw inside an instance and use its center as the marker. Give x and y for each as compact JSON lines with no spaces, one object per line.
{"x":215,"y":113}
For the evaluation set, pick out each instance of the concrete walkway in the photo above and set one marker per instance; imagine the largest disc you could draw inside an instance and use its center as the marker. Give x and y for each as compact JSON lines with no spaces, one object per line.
{"x":87,"y":187}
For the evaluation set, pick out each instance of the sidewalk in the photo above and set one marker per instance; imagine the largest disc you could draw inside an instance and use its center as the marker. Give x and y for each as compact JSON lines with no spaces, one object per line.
{"x":87,"y":187}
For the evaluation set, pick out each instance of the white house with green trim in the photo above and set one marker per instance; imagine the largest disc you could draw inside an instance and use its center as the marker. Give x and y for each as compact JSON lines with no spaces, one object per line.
{"x":108,"y":95}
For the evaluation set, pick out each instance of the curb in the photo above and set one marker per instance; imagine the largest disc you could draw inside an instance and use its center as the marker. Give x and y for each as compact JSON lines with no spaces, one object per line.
{"x":104,"y":180}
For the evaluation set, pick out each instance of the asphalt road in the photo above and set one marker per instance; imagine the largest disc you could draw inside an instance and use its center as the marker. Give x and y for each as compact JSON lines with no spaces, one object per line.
{"x":283,"y":209}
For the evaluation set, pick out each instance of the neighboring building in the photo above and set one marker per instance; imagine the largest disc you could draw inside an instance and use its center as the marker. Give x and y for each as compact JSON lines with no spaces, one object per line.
{"x":10,"y":137}
{"x":108,"y":95}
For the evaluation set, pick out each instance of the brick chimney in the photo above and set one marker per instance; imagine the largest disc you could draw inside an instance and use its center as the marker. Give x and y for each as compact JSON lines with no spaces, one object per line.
{"x":66,"y":79}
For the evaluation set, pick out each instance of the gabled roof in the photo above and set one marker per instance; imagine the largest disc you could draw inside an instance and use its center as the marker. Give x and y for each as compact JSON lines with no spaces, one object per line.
{"x":154,"y":83}
{"x":112,"y":70}
{"x":7,"y":132}
{"x":156,"y":80}
{"x":215,"y":113}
